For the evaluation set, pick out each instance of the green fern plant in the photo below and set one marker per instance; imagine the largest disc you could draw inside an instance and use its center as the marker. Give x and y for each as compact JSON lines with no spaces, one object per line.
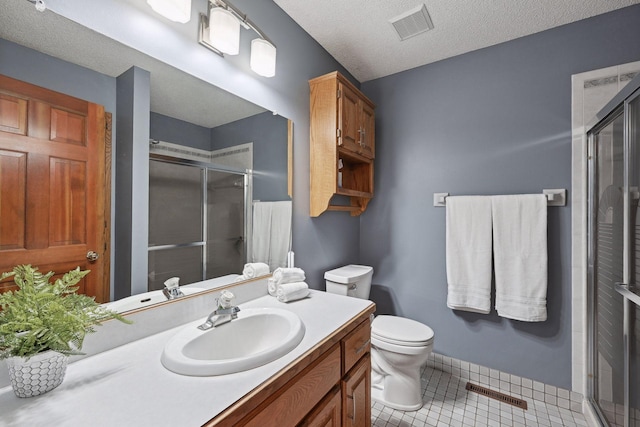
{"x":42,"y":316}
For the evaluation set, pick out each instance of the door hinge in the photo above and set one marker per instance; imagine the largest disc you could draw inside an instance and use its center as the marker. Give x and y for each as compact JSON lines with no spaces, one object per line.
{"x":338,"y":133}
{"x":338,"y":94}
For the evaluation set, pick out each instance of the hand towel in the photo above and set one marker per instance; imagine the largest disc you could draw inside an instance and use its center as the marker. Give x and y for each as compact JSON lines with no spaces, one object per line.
{"x":520,"y":256}
{"x":468,"y":250}
{"x":255,"y":269}
{"x":292,"y":291}
{"x":288,"y":275}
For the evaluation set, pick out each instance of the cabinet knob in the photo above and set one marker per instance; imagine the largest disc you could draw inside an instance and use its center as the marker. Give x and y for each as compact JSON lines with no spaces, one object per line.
{"x":92,"y":256}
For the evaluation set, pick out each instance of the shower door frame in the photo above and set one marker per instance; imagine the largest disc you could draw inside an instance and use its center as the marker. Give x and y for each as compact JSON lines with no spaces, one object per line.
{"x":248,"y":205}
{"x":618,"y":106}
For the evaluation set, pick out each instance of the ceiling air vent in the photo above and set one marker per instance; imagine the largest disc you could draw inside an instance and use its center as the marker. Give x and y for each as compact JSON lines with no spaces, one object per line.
{"x":411,"y":23}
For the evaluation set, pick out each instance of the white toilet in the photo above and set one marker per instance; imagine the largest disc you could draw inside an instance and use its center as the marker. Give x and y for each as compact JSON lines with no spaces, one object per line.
{"x":399,"y":346}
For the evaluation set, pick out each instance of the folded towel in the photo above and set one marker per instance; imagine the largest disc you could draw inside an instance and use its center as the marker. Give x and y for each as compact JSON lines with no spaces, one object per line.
{"x":468,"y":234}
{"x":520,"y":254}
{"x":292,"y":291}
{"x":240,"y":278}
{"x":272,"y":287}
{"x":255,"y":269}
{"x":288,"y":275}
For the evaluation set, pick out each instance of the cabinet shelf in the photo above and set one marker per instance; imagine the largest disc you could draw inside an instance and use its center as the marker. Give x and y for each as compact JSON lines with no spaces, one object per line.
{"x":342,"y":145}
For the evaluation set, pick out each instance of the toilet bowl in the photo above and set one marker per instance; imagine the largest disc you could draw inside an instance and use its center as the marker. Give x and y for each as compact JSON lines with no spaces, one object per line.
{"x":399,"y":346}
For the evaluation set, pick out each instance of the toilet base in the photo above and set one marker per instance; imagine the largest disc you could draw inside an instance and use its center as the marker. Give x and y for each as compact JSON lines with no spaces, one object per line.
{"x":377,"y":395}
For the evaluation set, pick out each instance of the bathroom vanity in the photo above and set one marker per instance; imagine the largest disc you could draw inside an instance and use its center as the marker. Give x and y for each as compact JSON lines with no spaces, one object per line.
{"x":325,"y":380}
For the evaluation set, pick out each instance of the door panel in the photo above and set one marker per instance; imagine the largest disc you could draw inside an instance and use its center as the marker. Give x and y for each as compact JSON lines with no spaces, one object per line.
{"x":67,"y":203}
{"x":368,"y":131}
{"x":67,"y":127}
{"x":13,"y":114}
{"x":52,"y":183}
{"x":348,"y":119}
{"x":13,"y":178}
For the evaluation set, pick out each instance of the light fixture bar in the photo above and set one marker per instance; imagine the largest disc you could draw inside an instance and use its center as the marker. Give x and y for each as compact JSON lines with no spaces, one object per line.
{"x":242,"y":18}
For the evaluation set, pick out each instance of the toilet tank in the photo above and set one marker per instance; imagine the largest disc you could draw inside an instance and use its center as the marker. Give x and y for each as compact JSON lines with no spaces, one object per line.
{"x":351,"y":280}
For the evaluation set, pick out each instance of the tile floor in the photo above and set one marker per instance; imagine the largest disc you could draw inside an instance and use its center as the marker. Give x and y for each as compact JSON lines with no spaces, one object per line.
{"x":447,"y":403}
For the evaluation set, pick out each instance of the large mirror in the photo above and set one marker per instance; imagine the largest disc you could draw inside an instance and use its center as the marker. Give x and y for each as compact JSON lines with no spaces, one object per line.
{"x":217,"y":164}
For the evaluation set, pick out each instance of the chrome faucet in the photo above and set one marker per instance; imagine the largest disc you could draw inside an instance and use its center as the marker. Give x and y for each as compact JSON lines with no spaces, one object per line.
{"x":172,"y":288}
{"x":223,"y":314}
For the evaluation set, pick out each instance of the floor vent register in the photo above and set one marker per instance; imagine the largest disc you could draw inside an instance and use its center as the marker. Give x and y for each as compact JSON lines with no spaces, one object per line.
{"x":497,"y":395}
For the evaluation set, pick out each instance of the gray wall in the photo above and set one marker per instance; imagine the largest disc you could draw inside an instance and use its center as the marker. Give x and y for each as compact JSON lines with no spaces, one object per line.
{"x":268,"y":133}
{"x":52,"y":73}
{"x":169,"y":129}
{"x":493,"y":121}
{"x":132,"y":183}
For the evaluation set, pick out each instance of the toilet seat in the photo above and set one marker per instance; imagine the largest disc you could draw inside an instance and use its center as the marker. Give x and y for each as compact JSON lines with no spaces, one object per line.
{"x":400,"y":331}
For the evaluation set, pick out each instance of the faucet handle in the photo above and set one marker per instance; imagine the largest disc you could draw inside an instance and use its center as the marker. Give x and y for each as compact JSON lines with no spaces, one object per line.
{"x":224,"y":301}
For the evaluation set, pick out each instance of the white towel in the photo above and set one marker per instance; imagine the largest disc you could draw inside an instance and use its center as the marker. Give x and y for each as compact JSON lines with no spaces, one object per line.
{"x":272,"y":287}
{"x":292,"y":291}
{"x":288,"y":275}
{"x":271,"y":233}
{"x":255,"y":269}
{"x":468,"y":233}
{"x":520,"y":254}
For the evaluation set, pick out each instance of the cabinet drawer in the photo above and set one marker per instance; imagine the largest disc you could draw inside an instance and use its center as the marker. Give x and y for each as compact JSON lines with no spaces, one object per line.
{"x":290,"y":406}
{"x":355,"y":345}
{"x":328,"y":413}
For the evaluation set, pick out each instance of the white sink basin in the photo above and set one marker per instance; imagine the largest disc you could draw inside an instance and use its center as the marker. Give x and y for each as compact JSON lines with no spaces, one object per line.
{"x":258,"y":336}
{"x":144,"y":300}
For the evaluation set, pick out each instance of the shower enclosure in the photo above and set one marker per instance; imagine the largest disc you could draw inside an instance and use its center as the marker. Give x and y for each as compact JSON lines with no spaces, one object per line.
{"x":197,"y":227}
{"x":614,"y":260}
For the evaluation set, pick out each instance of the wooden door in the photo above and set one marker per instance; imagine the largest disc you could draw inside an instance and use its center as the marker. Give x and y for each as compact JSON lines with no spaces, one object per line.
{"x":348,"y":119}
{"x":53,"y":190}
{"x":356,"y":395}
{"x":368,"y":130}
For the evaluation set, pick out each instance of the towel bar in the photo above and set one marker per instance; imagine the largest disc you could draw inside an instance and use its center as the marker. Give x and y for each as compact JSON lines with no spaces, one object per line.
{"x":555,"y":197}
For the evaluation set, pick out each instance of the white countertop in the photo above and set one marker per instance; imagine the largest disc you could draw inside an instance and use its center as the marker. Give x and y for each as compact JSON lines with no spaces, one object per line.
{"x":128,"y":386}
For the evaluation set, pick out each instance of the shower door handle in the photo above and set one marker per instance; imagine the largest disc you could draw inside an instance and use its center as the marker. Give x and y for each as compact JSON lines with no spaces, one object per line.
{"x":629,"y":292}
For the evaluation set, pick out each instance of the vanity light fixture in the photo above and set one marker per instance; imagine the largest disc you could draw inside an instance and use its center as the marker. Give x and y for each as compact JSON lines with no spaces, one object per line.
{"x":224,"y":31}
{"x":220,"y":32}
{"x":40,"y":5}
{"x":173,"y":10}
{"x":263,"y":58}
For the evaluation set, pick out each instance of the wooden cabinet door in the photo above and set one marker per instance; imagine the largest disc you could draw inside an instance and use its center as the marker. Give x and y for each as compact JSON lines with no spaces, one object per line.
{"x":356,"y":395}
{"x":368,"y":129}
{"x":52,"y":184}
{"x":348,"y":119}
{"x":328,"y":413}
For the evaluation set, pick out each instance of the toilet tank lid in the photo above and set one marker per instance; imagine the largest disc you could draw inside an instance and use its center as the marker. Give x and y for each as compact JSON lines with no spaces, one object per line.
{"x":348,"y":274}
{"x":401,"y":329}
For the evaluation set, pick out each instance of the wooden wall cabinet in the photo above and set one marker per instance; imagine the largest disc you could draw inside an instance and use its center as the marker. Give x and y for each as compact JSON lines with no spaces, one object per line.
{"x":342,"y":128}
{"x":329,"y":387}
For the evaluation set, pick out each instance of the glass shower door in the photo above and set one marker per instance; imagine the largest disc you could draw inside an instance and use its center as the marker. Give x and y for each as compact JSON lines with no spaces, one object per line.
{"x":606,"y":262}
{"x":614,"y":263}
{"x":632,"y":302}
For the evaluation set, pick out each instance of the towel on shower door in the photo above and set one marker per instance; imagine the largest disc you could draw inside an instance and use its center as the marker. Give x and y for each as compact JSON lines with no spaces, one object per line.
{"x":520,"y":256}
{"x":468,"y":230}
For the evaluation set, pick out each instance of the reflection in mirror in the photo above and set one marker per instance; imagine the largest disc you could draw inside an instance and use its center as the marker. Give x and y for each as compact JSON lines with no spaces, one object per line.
{"x":192,"y":120}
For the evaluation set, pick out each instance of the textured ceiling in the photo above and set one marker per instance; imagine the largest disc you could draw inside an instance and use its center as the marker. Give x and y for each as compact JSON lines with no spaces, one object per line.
{"x":357,"y":32}
{"x":173,"y":92}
